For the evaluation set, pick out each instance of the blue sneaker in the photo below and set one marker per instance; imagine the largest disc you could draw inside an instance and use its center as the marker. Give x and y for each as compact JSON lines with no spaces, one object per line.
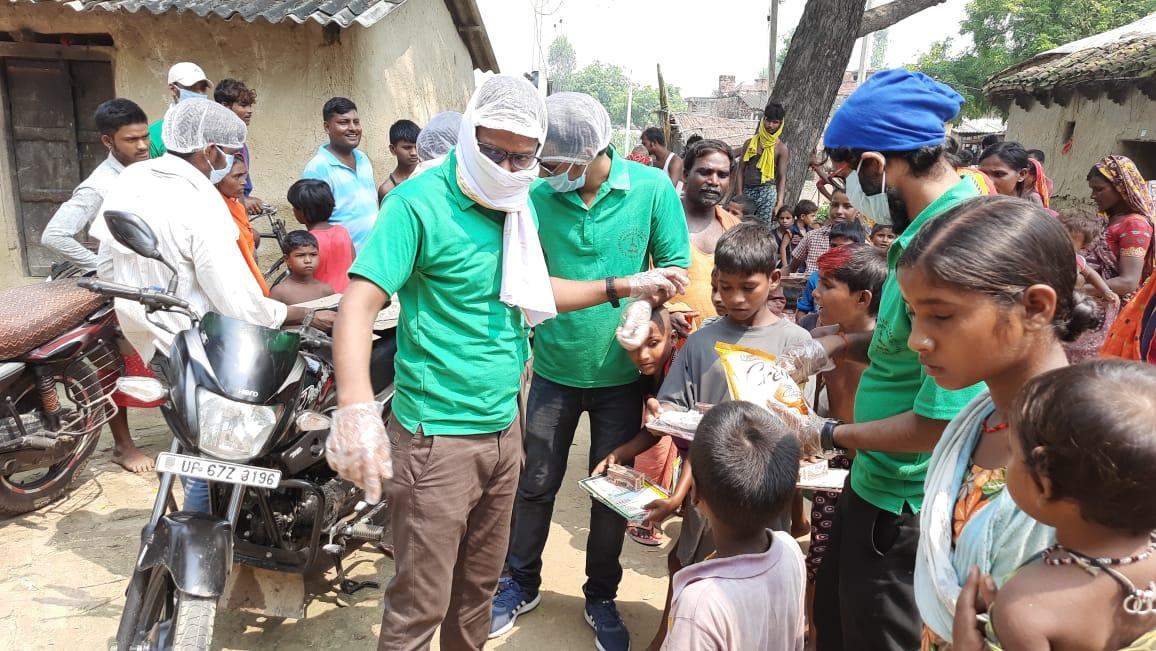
{"x":510,"y":601}
{"x":610,"y":633}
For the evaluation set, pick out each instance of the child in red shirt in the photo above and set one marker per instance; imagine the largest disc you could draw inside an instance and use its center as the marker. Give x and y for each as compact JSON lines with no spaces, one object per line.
{"x":312,"y":202}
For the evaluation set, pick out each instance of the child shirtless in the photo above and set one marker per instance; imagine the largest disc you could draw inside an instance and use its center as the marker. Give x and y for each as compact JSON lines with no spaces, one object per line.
{"x":301,"y":260}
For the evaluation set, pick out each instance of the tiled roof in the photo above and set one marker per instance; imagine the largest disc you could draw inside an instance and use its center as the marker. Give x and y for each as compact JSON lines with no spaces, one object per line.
{"x":1123,"y":61}
{"x":732,"y":132}
{"x":755,"y":100}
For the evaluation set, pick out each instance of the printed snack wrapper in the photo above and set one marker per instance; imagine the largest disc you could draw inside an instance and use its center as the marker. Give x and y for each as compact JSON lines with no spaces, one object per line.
{"x":753,"y":376}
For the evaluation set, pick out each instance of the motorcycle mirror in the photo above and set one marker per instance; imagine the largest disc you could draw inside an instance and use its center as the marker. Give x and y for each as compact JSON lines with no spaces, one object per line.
{"x":133,"y":232}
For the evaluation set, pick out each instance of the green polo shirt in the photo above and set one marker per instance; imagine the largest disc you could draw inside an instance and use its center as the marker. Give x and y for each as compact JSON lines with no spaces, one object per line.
{"x":460,"y":350}
{"x":895,"y":382}
{"x":636,"y":219}
{"x":156,"y":145}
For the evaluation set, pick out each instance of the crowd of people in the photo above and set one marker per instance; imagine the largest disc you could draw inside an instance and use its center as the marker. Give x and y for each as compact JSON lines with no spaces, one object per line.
{"x":954,"y":330}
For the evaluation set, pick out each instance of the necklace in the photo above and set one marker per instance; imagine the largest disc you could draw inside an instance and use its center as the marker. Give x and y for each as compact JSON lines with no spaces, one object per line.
{"x":1076,"y":557}
{"x":1137,"y":601}
{"x":994,"y":428}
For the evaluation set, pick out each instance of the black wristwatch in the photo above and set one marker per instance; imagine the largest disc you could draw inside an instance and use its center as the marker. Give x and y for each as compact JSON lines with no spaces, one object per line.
{"x":827,"y":437}
{"x":611,"y":293}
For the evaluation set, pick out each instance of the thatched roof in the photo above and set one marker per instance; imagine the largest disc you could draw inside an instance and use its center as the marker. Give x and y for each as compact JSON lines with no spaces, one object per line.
{"x":732,"y":132}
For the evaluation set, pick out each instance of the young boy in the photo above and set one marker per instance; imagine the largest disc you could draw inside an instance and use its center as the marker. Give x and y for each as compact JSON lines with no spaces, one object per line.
{"x":786,"y":234}
{"x":403,"y":145}
{"x":742,"y":207}
{"x":805,"y":213}
{"x":882,"y":235}
{"x":312,"y":202}
{"x":841,"y":234}
{"x":747,"y":273}
{"x":1084,"y":227}
{"x":300,"y":286}
{"x":749,"y":593}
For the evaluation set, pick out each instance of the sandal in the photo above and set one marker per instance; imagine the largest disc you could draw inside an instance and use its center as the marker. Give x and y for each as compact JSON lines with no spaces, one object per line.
{"x":649,"y":536}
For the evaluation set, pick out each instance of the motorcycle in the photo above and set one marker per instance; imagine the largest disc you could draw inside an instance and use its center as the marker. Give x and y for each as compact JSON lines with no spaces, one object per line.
{"x":247,"y":406}
{"x":59,"y":365}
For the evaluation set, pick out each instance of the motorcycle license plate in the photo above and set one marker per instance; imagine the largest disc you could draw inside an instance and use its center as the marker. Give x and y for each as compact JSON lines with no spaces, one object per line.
{"x":220,"y":471}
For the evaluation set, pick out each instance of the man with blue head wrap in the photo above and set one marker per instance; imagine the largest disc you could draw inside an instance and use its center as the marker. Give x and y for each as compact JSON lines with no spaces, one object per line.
{"x":887,"y":142}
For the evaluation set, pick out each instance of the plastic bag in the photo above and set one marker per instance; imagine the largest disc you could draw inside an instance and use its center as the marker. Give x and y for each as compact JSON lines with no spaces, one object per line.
{"x":358,"y":448}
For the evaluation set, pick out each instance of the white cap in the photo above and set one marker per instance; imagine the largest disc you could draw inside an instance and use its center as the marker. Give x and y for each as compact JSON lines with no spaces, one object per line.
{"x":187,"y":74}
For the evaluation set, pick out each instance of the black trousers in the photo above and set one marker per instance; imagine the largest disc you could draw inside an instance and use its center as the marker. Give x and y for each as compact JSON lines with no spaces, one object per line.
{"x":864,"y":593}
{"x":552,"y":412}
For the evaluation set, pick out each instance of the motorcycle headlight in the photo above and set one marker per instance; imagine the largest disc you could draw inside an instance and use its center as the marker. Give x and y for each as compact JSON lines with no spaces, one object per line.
{"x":231,"y":430}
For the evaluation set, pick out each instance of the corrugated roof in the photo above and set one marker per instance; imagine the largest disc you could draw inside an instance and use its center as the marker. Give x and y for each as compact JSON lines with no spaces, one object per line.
{"x":732,"y":132}
{"x":344,"y":13}
{"x":1119,"y":61}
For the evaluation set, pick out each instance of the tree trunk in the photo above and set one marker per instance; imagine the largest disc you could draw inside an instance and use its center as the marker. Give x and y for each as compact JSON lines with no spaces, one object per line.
{"x":813,"y":70}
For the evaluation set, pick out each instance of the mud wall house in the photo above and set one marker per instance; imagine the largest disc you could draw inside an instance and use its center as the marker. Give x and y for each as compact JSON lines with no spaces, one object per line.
{"x":1085,"y":100}
{"x":60,"y":59}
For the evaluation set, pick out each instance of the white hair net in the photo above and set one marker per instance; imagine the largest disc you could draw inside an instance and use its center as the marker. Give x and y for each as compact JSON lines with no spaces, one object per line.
{"x":579,"y":128}
{"x":197,"y":123}
{"x":439,"y":136}
{"x":509,"y":104}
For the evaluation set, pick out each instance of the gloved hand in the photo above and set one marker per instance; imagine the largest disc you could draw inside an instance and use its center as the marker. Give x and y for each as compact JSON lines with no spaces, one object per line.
{"x":358,"y":447}
{"x":634,"y":325}
{"x":662,"y":283}
{"x":805,"y":359}
{"x":806,"y":427}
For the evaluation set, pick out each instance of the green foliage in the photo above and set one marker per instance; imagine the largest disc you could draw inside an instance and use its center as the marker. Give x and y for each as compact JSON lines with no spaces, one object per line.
{"x":561,"y":60}
{"x":1005,"y":32}
{"x":608,"y":83}
{"x":879,"y":49}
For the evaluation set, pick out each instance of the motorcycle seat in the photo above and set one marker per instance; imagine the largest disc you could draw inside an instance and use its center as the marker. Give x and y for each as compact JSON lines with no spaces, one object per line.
{"x":34,"y":314}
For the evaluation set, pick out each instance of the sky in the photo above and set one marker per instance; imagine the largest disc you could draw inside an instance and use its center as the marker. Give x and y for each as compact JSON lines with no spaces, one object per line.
{"x":637,"y":34}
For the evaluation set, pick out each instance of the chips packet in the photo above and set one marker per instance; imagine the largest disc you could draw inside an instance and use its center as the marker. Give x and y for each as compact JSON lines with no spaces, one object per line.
{"x":753,"y":376}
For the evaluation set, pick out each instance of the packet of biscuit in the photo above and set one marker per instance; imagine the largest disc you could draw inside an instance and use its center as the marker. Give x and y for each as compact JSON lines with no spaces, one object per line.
{"x":752,"y":375}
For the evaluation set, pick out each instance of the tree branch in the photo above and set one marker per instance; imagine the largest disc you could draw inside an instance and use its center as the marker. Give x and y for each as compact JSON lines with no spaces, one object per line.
{"x":884,"y":16}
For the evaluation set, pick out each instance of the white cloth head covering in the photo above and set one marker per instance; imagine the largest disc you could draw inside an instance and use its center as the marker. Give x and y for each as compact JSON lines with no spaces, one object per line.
{"x":197,"y":123}
{"x":579,"y":128}
{"x":509,"y":104}
{"x":439,"y":136}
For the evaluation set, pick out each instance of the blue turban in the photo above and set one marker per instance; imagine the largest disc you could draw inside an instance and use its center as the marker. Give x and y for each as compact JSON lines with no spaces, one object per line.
{"x":895,"y":110}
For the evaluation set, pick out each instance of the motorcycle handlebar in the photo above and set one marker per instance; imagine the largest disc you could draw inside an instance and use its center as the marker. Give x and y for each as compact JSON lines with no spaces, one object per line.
{"x":148,"y":297}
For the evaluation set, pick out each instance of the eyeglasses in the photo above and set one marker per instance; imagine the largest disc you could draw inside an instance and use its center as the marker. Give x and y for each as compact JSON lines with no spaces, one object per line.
{"x":518,"y":161}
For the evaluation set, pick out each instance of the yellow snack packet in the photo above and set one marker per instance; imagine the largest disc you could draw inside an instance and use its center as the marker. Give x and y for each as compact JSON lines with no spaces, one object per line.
{"x":753,"y":376}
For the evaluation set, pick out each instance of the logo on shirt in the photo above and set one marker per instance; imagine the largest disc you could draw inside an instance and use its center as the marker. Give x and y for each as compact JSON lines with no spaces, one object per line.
{"x":632,"y":242}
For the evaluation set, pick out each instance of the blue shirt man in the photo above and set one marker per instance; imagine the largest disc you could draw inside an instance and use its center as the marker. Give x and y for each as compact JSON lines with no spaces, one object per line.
{"x":347,"y":171}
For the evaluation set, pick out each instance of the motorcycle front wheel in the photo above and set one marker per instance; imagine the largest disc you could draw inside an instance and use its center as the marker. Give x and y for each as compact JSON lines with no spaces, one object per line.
{"x":159,"y":616}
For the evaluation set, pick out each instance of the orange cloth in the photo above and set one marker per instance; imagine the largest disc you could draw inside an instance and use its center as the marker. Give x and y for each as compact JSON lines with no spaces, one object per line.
{"x":697,"y":295}
{"x":1043,"y":183}
{"x":1124,"y":336}
{"x":245,"y":240}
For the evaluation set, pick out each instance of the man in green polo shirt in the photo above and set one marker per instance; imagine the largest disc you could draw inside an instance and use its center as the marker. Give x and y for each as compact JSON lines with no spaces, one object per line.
{"x":600,"y":216}
{"x":455,"y":246}
{"x":186,"y":81}
{"x":887,"y":139}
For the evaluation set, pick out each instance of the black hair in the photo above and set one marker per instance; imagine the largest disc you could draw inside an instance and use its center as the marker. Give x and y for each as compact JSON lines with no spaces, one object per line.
{"x":747,"y":249}
{"x":964,"y":158}
{"x":851,"y":229}
{"x":865,"y":270}
{"x":1090,"y":428}
{"x":298,"y":239}
{"x":110,"y":116}
{"x":1000,"y":246}
{"x":783,"y":209}
{"x":1095,"y":172}
{"x":805,"y":207}
{"x":1082,"y":222}
{"x":406,"y":130}
{"x":654,"y":134}
{"x":880,"y":226}
{"x":1036,"y":154}
{"x":1011,"y":153}
{"x":337,"y":106}
{"x":990,"y":139}
{"x":921,"y":161}
{"x":313,"y":198}
{"x":742,"y":200}
{"x":774,"y":111}
{"x":696,"y":138}
{"x":234,"y":91}
{"x":701,"y":148}
{"x":746,"y":465}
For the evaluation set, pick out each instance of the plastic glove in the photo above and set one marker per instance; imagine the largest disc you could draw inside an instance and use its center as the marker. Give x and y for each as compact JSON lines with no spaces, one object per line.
{"x":358,"y":448}
{"x":634,"y":325}
{"x":805,"y":359}
{"x":805,"y":426}
{"x":663,"y":283}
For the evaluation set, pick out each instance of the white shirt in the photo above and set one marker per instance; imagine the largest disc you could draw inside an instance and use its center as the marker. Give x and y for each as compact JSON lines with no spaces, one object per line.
{"x":77,"y":214}
{"x":196,"y":234}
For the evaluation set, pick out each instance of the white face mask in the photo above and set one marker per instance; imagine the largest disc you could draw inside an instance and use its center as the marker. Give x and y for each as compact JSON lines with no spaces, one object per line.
{"x":488,"y":183}
{"x":875,"y":206}
{"x":562,"y":183}
{"x":218,"y":175}
{"x":184,"y":94}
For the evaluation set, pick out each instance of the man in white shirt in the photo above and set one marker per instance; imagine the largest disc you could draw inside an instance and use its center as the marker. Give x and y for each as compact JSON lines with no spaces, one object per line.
{"x":124,"y":131}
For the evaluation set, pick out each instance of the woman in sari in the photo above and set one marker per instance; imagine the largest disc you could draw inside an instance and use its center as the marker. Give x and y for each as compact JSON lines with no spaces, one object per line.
{"x":232,"y":189}
{"x":1123,"y":256}
{"x":1132,"y":335}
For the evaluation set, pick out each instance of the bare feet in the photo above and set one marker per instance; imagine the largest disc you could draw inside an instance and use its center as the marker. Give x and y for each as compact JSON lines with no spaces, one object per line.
{"x":132,"y":459}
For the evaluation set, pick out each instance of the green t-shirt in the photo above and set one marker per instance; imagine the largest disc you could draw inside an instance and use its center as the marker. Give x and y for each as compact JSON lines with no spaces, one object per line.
{"x":636,"y":218}
{"x":460,"y":350}
{"x":895,"y":382}
{"x":156,"y":145}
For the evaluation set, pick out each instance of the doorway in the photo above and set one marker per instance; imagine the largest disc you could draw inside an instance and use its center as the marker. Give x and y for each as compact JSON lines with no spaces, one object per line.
{"x":52,"y":139}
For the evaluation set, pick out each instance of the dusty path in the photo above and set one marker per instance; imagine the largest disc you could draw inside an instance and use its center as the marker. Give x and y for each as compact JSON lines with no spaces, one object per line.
{"x":63,"y":572}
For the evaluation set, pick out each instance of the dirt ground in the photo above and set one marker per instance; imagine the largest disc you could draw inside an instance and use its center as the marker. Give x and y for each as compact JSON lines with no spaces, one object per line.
{"x":63,"y":572}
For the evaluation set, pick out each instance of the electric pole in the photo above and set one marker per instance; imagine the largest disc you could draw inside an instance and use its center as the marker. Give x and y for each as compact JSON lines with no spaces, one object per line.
{"x":773,"y":54}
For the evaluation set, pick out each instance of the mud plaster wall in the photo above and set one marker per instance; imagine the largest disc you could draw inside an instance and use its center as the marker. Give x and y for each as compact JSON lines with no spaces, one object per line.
{"x":410,"y":64}
{"x":1100,"y":126}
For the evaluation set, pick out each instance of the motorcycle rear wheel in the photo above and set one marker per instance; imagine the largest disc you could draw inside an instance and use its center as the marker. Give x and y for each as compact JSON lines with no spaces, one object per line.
{"x":18,"y":497}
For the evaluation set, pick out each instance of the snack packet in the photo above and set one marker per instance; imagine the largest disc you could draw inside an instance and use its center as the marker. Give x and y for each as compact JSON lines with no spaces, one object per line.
{"x":753,"y":376}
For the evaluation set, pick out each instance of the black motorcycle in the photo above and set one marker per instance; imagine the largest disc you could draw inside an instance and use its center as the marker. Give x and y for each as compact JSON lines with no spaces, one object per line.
{"x":247,"y":406}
